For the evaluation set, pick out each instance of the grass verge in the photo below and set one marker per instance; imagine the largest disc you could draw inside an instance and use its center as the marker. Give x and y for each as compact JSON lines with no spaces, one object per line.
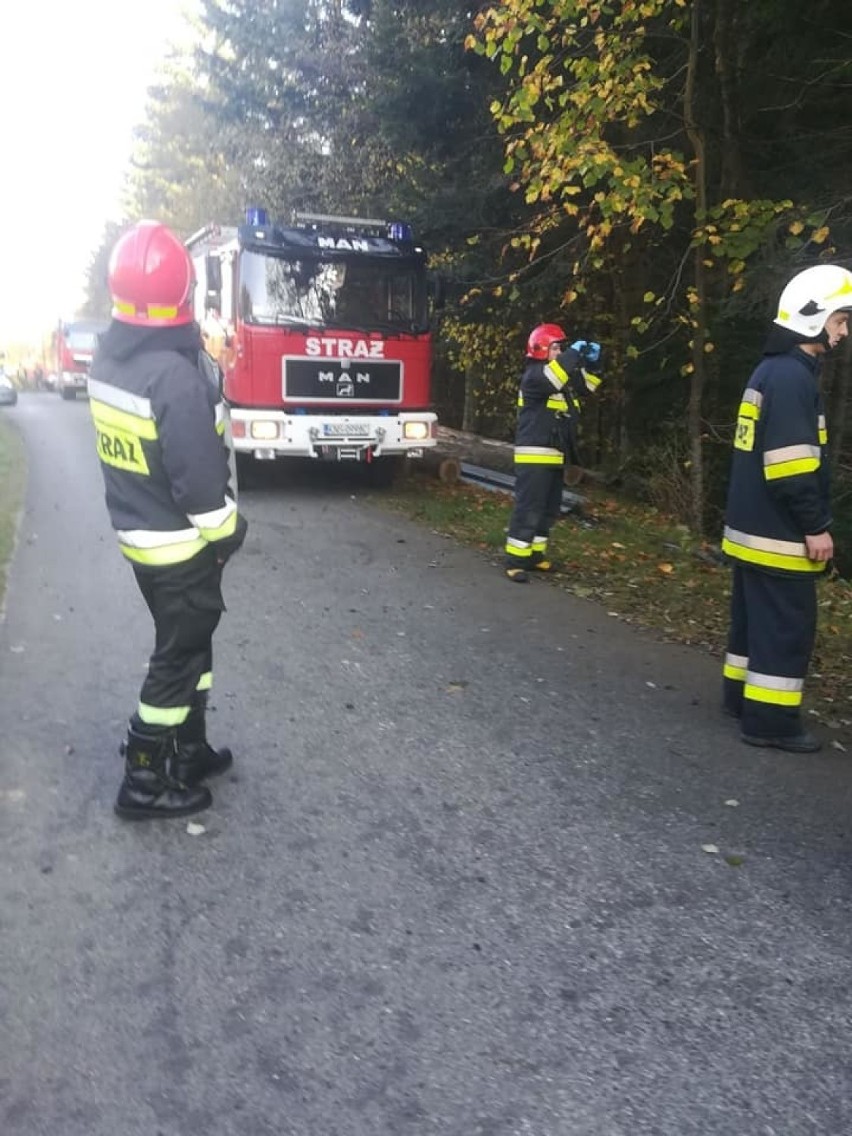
{"x":12,"y":482}
{"x":647,"y":570}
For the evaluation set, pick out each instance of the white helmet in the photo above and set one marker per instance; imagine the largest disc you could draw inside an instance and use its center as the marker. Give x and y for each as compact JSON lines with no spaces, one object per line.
{"x":812,"y":296}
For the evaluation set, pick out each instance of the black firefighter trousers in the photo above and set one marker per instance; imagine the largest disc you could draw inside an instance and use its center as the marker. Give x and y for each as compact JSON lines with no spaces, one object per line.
{"x":538,"y":503}
{"x":186,"y":603}
{"x":770,"y":642}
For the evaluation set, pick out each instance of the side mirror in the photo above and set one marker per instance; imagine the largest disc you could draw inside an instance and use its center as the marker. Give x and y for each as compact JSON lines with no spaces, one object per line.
{"x":213,"y":274}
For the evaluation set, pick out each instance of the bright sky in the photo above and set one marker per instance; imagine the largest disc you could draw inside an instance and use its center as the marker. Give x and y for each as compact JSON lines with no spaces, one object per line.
{"x":73,"y":82}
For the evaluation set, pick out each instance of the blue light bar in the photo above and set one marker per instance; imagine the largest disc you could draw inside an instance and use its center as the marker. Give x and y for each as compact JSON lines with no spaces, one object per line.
{"x":256,"y":216}
{"x":400,"y":231}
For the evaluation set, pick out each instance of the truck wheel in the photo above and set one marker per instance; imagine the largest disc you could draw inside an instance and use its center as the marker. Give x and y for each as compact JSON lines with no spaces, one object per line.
{"x":382,"y":473}
{"x":247,"y":473}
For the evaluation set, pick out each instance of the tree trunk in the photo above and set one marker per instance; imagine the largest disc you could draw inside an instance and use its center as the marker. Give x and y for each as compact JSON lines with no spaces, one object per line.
{"x":470,"y":414}
{"x":699,"y":304}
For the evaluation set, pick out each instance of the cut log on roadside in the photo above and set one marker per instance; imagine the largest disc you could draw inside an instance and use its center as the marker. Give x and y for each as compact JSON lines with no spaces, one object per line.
{"x":438,"y":464}
{"x":489,"y":453}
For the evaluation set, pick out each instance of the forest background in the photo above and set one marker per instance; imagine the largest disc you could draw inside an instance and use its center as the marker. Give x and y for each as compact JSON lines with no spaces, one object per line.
{"x":647,"y":173}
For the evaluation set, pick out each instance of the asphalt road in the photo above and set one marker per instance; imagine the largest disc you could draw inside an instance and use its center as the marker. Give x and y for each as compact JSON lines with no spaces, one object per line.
{"x":456,"y":882}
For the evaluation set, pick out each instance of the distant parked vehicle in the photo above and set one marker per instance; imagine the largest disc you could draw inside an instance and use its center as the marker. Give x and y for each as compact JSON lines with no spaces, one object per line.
{"x":74,"y":346}
{"x":8,"y":392}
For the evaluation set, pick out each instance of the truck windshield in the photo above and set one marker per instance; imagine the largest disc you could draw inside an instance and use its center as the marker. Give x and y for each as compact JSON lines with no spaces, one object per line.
{"x":81,"y":340}
{"x":368,"y":294}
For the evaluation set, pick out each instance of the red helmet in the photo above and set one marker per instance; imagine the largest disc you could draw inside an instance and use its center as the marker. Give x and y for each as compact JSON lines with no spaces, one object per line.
{"x":542,"y":337}
{"x":151,"y":277}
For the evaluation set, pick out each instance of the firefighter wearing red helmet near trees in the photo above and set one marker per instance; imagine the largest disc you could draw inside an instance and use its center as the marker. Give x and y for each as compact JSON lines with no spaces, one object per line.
{"x":778,"y":517}
{"x":555,"y":380}
{"x":161,"y":437}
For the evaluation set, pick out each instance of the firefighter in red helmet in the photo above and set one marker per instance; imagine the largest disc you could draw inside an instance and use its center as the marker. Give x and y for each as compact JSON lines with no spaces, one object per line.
{"x":161,"y":431}
{"x":555,"y":380}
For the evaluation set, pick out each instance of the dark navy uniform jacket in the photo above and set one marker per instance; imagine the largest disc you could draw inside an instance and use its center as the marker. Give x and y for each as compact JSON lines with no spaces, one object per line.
{"x":779,"y":484}
{"x":160,"y":426}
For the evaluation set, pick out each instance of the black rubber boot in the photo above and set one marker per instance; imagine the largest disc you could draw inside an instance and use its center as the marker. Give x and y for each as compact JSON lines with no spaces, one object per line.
{"x":194,"y":761}
{"x":148,"y":790}
{"x":517,"y":575}
{"x":793,"y":743}
{"x":194,"y":758}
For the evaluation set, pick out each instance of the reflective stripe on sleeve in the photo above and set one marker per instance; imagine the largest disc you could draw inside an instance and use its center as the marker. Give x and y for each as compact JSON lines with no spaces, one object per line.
{"x":205,"y":682}
{"x":556,"y":374}
{"x":788,"y":555}
{"x":218,"y":523}
{"x":538,"y":455}
{"x":790,"y":461}
{"x":592,"y":381}
{"x":823,"y":432}
{"x":777,"y":690}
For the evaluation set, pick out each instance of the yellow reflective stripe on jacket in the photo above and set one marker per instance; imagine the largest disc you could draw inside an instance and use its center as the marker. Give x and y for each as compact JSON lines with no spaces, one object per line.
{"x":789,"y":461}
{"x":735,"y":667}
{"x":556,"y":374}
{"x":134,"y":404}
{"x":119,"y":434}
{"x":592,"y":381}
{"x":162,"y":715}
{"x":777,"y":690}
{"x":555,"y":402}
{"x":166,"y":554}
{"x":221,"y":417}
{"x":538,"y":455}
{"x":122,"y":421}
{"x":205,"y":682}
{"x":107,"y":416}
{"x":787,"y":555}
{"x":157,"y":548}
{"x":823,"y":432}
{"x":218,"y":523}
{"x":755,"y":397}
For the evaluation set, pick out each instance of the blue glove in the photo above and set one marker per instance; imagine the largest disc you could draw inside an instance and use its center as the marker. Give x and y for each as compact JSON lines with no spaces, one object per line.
{"x":588,"y":351}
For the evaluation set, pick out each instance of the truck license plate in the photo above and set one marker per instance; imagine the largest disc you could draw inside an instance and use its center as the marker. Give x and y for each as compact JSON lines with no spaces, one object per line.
{"x":346,"y":429}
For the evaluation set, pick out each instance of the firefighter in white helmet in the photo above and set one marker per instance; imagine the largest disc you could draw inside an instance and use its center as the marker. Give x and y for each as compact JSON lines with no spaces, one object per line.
{"x":160,"y":428}
{"x":778,"y":516}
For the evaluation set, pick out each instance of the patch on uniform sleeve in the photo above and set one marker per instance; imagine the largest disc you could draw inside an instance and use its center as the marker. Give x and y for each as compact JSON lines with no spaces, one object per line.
{"x":749,"y":413}
{"x":744,"y":437}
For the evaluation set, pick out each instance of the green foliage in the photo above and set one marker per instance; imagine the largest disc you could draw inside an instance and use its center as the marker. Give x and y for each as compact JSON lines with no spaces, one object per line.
{"x":12,"y":481}
{"x":648,"y":173}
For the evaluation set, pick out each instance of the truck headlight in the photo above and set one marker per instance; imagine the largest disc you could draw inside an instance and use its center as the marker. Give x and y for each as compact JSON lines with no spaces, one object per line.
{"x":415,"y":431}
{"x":263,"y":430}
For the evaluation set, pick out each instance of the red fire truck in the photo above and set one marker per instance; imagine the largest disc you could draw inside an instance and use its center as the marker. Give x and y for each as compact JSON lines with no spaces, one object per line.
{"x":74,"y":345}
{"x":321,"y":327}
